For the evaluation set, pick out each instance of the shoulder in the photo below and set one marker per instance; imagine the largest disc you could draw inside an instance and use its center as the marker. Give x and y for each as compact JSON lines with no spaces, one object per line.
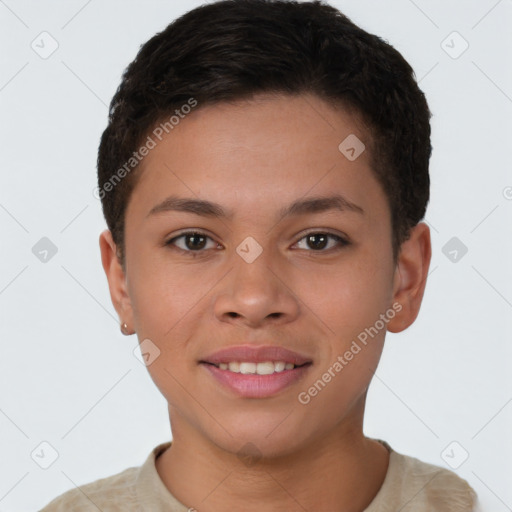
{"x":413,"y":485}
{"x":436,"y":485}
{"x":110,"y":494}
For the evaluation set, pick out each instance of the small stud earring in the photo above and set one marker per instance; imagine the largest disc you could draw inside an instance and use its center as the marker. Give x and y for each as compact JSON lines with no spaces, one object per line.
{"x":124,"y":329}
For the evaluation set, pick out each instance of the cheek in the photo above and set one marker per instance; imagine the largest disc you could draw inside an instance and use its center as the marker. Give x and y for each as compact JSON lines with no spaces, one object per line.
{"x":165,"y":305}
{"x":336,"y":389}
{"x":346,"y":298}
{"x":164,"y":296}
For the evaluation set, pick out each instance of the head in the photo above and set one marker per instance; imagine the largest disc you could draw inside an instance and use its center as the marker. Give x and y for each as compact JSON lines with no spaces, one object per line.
{"x":247,"y":104}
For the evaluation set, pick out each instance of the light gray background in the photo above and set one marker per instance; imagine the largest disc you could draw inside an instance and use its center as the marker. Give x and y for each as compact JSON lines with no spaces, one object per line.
{"x":69,"y":377}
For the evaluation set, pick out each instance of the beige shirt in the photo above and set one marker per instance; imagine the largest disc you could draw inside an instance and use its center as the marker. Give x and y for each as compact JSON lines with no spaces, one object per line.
{"x":410,"y":485}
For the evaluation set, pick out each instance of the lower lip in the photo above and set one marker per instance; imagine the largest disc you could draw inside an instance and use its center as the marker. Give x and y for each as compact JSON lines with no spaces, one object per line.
{"x":257,"y":386}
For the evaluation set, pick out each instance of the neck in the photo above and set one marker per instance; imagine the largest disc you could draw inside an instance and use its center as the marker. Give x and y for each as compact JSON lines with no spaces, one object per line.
{"x":342,"y":470}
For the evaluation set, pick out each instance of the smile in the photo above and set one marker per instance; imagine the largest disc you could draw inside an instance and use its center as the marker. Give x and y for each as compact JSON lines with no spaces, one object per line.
{"x":250,"y":368}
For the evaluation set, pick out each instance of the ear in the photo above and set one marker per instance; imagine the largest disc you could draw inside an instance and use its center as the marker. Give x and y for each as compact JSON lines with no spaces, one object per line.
{"x":410,"y":277}
{"x":116,"y":278}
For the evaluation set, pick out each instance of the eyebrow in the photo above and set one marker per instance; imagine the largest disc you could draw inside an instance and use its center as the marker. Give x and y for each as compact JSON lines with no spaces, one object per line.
{"x":205,"y":208}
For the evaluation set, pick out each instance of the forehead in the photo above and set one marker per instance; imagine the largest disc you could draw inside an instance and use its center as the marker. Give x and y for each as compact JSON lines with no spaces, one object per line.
{"x":268,"y":127}
{"x":257,"y":153}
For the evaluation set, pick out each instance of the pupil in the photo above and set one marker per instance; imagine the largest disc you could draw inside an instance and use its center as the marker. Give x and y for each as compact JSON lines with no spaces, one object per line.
{"x":321,"y":245}
{"x":194,"y":244}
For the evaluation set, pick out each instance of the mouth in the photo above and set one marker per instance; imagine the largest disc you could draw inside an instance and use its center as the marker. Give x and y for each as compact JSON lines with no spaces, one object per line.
{"x":253,"y":368}
{"x":256,"y":372}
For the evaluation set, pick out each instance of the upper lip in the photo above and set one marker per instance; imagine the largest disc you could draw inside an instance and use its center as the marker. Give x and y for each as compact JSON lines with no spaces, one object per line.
{"x":255,"y":354}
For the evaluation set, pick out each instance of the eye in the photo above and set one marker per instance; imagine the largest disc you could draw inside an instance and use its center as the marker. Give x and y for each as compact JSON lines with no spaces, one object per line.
{"x":197,"y":242}
{"x":192,"y":241}
{"x":319,"y":241}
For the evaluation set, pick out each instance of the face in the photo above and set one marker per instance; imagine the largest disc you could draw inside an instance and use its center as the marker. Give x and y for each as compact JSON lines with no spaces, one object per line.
{"x":316,"y":279}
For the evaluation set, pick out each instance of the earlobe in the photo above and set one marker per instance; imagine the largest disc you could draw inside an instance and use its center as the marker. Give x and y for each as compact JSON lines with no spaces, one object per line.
{"x":116,"y":277}
{"x":410,"y":277}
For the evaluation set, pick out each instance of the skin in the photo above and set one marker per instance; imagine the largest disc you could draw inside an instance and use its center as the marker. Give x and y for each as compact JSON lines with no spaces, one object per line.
{"x":254,"y":157}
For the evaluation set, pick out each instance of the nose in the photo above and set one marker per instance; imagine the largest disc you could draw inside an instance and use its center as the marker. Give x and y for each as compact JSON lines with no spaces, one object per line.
{"x":255,"y":294}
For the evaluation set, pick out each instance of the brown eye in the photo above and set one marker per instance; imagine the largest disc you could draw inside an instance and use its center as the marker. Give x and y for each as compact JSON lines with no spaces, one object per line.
{"x":191,"y":241}
{"x":318,"y":241}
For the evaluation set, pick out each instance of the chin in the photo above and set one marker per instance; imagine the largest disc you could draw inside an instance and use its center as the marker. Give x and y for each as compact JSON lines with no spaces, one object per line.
{"x":258,"y":441}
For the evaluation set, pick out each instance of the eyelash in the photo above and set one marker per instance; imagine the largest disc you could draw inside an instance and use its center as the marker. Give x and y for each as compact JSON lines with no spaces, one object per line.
{"x":339,"y":239}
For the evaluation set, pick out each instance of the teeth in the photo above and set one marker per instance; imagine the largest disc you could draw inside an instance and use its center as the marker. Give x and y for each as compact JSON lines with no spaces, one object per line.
{"x":234,"y":367}
{"x":279,"y":366}
{"x":265,"y":368}
{"x":248,"y":367}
